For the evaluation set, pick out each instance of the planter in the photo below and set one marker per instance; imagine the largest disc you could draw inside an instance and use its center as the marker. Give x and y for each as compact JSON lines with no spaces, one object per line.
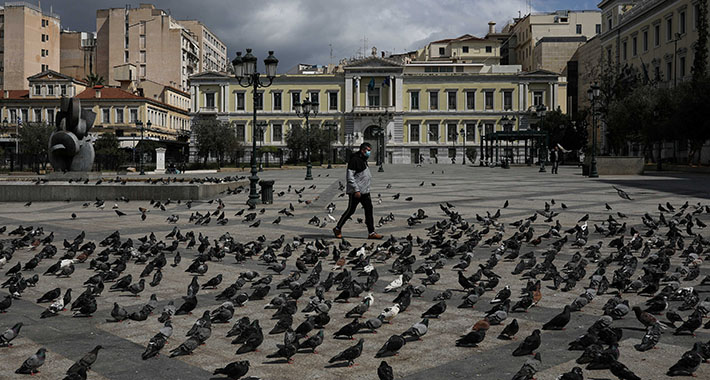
{"x":615,"y":165}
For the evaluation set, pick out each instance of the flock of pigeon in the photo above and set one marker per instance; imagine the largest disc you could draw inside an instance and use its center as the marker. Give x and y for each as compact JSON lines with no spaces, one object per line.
{"x":302,"y":280}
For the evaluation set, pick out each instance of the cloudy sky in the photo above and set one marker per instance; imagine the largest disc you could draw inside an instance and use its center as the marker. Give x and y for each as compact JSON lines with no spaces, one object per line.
{"x":305,"y":31}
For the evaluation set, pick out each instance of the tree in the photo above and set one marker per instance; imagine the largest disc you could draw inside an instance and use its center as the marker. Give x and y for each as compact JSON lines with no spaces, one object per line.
{"x":319,"y":141}
{"x":561,"y":129}
{"x":215,"y":138}
{"x":94,"y":80}
{"x":700,"y":60}
{"x":34,"y":140}
{"x":109,"y":151}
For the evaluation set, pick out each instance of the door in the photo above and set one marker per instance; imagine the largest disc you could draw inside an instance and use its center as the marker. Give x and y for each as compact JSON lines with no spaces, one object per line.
{"x":370,"y":136}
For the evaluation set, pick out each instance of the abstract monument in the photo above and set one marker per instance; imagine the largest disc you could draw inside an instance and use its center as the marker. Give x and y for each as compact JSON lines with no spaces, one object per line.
{"x":70,"y":147}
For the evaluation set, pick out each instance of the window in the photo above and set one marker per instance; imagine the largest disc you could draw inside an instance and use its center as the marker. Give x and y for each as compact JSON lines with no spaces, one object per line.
{"x":295,"y":98}
{"x":45,"y":23}
{"x":276,"y":132}
{"x":669,"y":29}
{"x":681,"y":22}
{"x":464,"y":49}
{"x":119,"y":116}
{"x":470,"y":131}
{"x":133,"y":114}
{"x":142,"y":71}
{"x":442,"y":51}
{"x":37,"y":114}
{"x":142,"y":42}
{"x":645,"y":41}
{"x":259,"y":101}
{"x":696,"y":15}
{"x":489,"y":49}
{"x":538,"y":98}
{"x":45,"y":68}
{"x":634,"y":51}
{"x":13,"y":116}
{"x":373,"y":97}
{"x":50,"y":89}
{"x":623,"y":50}
{"x":489,"y":100}
{"x":451,"y":95}
{"x":682,"y":66}
{"x":414,"y":133}
{"x":125,"y":56}
{"x":63,"y":89}
{"x":608,"y":24}
{"x":38,"y":89}
{"x":142,"y":56}
{"x":657,"y":35}
{"x":657,"y":73}
{"x":598,"y":28}
{"x":451,"y":132}
{"x":50,"y":116}
{"x":579,"y":28}
{"x":105,"y":115}
{"x":314,"y":97}
{"x":434,"y":132}
{"x":433,"y":100}
{"x":277,"y":101}
{"x":241,"y":132}
{"x":414,"y":100}
{"x":669,"y":70}
{"x":333,"y":101}
{"x":508,"y":100}
{"x":240,"y":101}
{"x":209,"y":100}
{"x":470,"y":100}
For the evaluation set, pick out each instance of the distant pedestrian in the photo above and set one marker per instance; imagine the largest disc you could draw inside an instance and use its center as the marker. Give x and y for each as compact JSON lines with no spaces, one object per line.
{"x":555,"y":159}
{"x":358,"y":178}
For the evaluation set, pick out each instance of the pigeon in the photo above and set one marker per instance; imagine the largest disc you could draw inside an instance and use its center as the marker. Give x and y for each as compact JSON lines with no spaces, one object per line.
{"x":418,"y":330}
{"x":529,"y":368}
{"x":234,"y":370}
{"x":622,"y":193}
{"x":509,"y":331}
{"x":472,"y":339}
{"x":688,"y":363}
{"x":529,"y":345}
{"x":392,"y":346}
{"x":435,"y":310}
{"x":157,"y":342}
{"x":186,"y":347}
{"x":50,"y":296}
{"x":619,"y":370}
{"x":349,"y":355}
{"x":559,"y":321}
{"x":384,"y":371}
{"x":86,"y":361}
{"x":10,"y":334}
{"x":574,"y":374}
{"x":312,"y":342}
{"x":31,"y":364}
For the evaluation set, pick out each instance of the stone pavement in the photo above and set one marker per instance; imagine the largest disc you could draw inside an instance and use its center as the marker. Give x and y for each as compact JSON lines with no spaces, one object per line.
{"x":472,"y":190}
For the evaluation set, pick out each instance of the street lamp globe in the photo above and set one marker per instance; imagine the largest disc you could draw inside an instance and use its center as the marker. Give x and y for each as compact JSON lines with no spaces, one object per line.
{"x":590,"y":94}
{"x":595,"y":89}
{"x":271,"y":62}
{"x":298,"y":108}
{"x":314,"y":107}
{"x":249,"y":61}
{"x":238,"y":65}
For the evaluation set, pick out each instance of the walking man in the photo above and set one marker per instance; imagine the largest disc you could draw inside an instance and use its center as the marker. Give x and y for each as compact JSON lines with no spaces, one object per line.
{"x":358,"y":178}
{"x":555,"y":159}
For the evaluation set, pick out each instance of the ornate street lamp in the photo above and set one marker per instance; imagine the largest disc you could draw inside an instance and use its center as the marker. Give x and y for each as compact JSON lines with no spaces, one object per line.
{"x":540,"y":111}
{"x":463,"y":133}
{"x":304,"y":110}
{"x":380,"y":132}
{"x":332,"y":127}
{"x":247,"y":76}
{"x":480,"y":136}
{"x":593,"y":95}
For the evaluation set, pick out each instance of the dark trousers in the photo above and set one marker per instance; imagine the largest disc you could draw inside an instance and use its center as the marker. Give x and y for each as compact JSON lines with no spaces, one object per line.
{"x":555,"y":165}
{"x":366,"y":202}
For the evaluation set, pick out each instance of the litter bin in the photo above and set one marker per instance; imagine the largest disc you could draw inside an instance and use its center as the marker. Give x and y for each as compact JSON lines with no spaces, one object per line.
{"x":267,"y":191}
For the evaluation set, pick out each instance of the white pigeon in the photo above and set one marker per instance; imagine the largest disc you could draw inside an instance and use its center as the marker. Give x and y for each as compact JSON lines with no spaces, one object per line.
{"x":3,"y":261}
{"x":65,"y":263}
{"x":330,"y":218}
{"x":369,"y":297}
{"x":395,"y":284}
{"x":368,"y":268}
{"x":389,"y":313}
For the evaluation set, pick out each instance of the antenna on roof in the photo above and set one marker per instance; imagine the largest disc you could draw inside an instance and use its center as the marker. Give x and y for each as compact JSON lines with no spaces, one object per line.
{"x":331,"y":53}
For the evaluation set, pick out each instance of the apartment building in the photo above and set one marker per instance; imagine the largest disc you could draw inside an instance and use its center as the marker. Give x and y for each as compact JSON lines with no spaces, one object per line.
{"x":160,"y":47}
{"x":656,"y":36}
{"x":77,"y":53}
{"x":29,"y":43}
{"x":434,"y":101}
{"x":546,"y":41}
{"x":213,"y":50}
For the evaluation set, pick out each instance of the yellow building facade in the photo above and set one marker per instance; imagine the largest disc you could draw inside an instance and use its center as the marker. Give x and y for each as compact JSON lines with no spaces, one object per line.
{"x":428,"y":109}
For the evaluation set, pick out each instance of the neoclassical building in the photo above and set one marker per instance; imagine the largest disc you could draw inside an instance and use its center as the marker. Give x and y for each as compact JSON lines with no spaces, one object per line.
{"x":429,"y":105}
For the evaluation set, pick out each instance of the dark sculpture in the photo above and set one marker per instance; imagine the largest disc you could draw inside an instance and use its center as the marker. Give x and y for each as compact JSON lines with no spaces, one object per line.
{"x":70,"y":148}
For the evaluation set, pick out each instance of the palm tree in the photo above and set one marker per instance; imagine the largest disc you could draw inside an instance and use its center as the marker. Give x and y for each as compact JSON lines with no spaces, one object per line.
{"x":94,"y":80}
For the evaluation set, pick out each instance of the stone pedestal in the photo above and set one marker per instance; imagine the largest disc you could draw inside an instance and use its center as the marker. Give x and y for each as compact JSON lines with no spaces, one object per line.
{"x":160,"y":160}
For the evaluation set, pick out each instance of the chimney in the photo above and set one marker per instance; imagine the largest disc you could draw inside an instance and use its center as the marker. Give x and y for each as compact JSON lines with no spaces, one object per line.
{"x":491,"y":27}
{"x":383,"y":54}
{"x":97,"y":93}
{"x":7,"y":94}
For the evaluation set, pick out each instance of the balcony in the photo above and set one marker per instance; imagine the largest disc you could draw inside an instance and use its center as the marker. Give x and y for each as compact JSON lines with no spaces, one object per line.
{"x":207,"y":110}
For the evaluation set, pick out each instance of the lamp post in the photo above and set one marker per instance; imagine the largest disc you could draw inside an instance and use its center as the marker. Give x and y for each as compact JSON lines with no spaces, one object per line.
{"x":593,"y":94}
{"x":304,"y":110}
{"x":480,"y":136}
{"x":332,"y":127}
{"x":381,"y":132}
{"x":245,"y":71}
{"x":261,"y":128}
{"x":678,"y":36}
{"x":540,"y":110}
{"x":463,"y":133}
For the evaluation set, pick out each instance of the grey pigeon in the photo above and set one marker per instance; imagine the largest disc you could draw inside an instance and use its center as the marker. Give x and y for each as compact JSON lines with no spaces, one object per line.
{"x":31,"y":364}
{"x":10,"y":334}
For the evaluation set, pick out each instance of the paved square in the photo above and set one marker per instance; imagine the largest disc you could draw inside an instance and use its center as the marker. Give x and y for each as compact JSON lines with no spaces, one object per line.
{"x":471,"y":190}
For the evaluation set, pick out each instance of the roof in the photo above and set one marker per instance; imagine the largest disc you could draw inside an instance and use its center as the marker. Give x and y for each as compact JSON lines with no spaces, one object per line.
{"x":540,"y":72}
{"x":563,"y":39}
{"x":16,"y":94}
{"x":108,"y":93}
{"x":171,"y":88}
{"x":372,"y":61}
{"x":56,"y":74}
{"x":465,"y":37}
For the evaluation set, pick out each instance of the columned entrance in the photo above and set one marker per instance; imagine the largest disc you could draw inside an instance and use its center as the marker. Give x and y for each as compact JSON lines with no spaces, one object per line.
{"x":370,"y":136}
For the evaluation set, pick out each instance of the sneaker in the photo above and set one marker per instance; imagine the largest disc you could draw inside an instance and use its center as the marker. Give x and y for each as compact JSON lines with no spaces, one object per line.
{"x":374,"y":235}
{"x":337,"y":233}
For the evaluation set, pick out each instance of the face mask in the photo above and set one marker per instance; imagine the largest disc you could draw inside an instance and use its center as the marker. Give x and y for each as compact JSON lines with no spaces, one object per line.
{"x":367,"y":154}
